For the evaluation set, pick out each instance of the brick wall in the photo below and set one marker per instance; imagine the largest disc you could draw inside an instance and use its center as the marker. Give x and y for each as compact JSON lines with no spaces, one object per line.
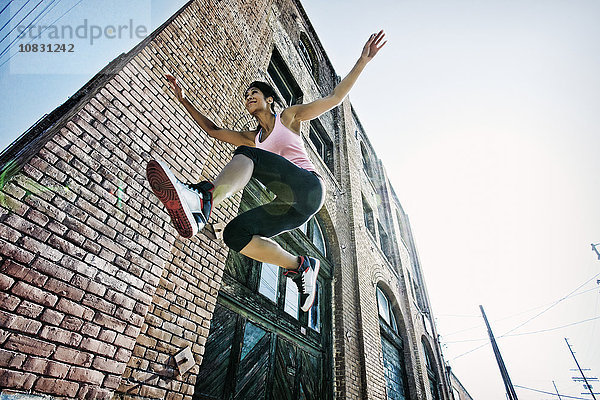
{"x":98,"y":294}
{"x":84,"y":242}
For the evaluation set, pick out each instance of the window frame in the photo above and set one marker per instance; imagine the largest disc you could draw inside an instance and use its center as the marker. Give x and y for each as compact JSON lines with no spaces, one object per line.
{"x":324,"y":145}
{"x":309,"y":55}
{"x":369,"y":217}
{"x":284,"y":81}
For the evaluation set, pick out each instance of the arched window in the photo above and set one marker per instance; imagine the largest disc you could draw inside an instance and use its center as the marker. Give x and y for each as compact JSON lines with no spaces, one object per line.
{"x":392,"y":348}
{"x":312,"y":229}
{"x":309,"y":56}
{"x":385,"y":310}
{"x":431,"y":374}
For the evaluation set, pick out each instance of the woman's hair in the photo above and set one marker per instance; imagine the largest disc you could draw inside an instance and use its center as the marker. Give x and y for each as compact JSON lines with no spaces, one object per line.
{"x":267,"y":90}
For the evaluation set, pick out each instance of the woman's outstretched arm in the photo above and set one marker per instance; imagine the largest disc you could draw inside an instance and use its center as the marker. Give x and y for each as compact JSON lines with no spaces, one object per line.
{"x":225,"y":135}
{"x":306,"y":112}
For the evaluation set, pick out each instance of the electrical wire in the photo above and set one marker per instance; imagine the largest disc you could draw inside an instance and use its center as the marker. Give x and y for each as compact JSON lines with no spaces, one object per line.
{"x":550,"y":393}
{"x":53,"y":22}
{"x":501,"y":319}
{"x":530,"y":319}
{"x":27,"y":27}
{"x":553,"y":329}
{"x":40,"y":17}
{"x":509,"y":316}
{"x":554,"y":304}
{"x":457,"y":315}
{"x":9,"y":32}
{"x":528,"y":333}
{"x":5,"y":7}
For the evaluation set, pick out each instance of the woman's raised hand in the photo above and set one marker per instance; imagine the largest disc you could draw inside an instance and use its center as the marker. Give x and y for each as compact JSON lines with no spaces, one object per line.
{"x":176,"y":88}
{"x":373,"y":45}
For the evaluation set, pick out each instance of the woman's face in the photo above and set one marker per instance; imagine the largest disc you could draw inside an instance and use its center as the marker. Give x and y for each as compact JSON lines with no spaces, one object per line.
{"x":255,"y":101}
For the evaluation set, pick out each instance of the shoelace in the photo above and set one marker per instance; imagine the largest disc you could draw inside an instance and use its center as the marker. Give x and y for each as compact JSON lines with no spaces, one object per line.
{"x":301,"y":286}
{"x":192,"y":188}
{"x":201,"y":192}
{"x":304,"y":290}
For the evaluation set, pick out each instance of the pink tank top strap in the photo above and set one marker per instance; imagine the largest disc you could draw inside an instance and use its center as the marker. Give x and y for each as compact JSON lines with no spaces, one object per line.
{"x":284,"y":142}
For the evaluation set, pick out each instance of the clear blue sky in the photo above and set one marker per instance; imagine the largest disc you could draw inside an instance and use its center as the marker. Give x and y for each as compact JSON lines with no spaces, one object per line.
{"x":33,"y":84}
{"x":485,"y":115}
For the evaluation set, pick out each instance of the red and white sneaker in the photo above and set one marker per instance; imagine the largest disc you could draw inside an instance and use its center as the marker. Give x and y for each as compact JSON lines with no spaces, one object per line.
{"x":306,"y":280}
{"x":188,"y":205}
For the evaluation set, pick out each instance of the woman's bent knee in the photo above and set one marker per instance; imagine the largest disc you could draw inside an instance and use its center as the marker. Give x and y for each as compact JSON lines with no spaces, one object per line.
{"x":235,"y":237}
{"x":245,"y":151}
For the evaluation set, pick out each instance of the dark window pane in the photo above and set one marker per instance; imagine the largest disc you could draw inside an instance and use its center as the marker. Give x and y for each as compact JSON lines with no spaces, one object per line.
{"x":314,"y":314}
{"x":369,"y":218}
{"x":383,"y":305}
{"x":284,"y":80}
{"x":317,"y":237}
{"x":317,"y":142}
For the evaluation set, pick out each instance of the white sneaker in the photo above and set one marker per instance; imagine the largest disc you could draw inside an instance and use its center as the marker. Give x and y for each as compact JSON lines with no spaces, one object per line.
{"x":306,"y":280}
{"x":188,"y":205}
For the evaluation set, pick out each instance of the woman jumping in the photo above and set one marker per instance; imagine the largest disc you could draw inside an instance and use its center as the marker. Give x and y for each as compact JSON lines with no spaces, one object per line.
{"x":274,"y":154}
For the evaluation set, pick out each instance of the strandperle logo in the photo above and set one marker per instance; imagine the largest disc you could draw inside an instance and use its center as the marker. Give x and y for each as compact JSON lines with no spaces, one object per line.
{"x":83,"y":31}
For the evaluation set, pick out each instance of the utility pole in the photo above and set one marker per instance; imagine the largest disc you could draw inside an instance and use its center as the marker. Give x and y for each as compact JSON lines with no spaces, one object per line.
{"x":510,"y":390}
{"x":587,"y":385}
{"x":558,"y":394}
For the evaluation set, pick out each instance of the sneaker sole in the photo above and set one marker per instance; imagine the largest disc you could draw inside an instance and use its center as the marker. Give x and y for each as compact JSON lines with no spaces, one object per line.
{"x":163,"y":184}
{"x":314,"y":294}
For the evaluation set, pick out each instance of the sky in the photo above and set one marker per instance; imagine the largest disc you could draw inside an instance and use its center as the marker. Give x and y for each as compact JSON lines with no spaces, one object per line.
{"x":485,"y":115}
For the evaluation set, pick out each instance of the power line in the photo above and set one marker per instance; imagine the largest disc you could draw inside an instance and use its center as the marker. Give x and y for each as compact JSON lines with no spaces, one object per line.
{"x":5,"y":7}
{"x":22,"y":19}
{"x":555,"y":303}
{"x":470,"y":351}
{"x":528,"y":333}
{"x":28,"y":25}
{"x":587,"y":384}
{"x":530,"y":319}
{"x":510,"y":316}
{"x":553,"y":329}
{"x":550,"y":393}
{"x":11,"y":18}
{"x":457,"y":315}
{"x":515,"y":314}
{"x":44,"y":30}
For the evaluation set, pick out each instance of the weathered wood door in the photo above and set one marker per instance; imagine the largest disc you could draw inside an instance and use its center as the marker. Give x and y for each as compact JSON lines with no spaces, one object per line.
{"x":245,"y":361}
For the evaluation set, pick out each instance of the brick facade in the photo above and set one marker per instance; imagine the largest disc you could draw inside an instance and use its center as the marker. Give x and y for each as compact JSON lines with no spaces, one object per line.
{"x":98,"y":294}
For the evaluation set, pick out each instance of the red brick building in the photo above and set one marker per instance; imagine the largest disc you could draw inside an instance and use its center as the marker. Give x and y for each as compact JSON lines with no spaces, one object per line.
{"x":101,"y":299}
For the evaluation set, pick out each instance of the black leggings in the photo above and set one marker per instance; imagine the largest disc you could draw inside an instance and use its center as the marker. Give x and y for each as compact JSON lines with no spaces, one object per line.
{"x":300,"y":195}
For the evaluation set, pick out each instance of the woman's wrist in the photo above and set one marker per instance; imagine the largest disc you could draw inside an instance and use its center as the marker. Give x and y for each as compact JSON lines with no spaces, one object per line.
{"x":362,"y":61}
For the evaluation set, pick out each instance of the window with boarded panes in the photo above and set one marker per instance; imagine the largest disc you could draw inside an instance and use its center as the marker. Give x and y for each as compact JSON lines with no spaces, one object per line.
{"x":392,"y":347}
{"x":431,"y":375}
